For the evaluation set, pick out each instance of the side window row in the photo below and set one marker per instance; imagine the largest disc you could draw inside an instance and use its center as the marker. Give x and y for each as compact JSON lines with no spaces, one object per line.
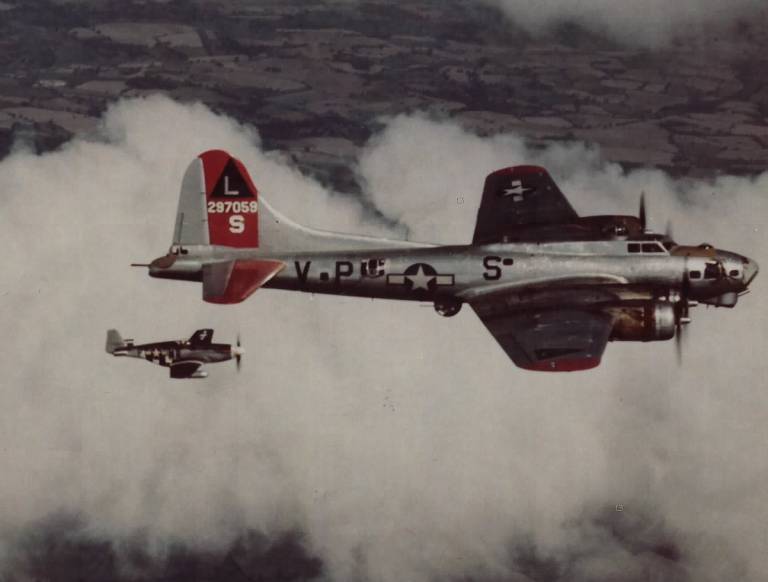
{"x":712,"y":270}
{"x":645,"y":248}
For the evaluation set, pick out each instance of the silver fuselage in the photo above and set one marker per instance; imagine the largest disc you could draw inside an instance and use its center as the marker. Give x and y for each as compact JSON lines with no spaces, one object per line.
{"x":422,"y":272}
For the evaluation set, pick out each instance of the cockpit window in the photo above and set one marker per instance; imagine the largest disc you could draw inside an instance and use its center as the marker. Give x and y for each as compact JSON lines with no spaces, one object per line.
{"x":652,"y":248}
{"x":646,"y":247}
{"x":695,"y":274}
{"x":711,"y":270}
{"x":734,"y":273}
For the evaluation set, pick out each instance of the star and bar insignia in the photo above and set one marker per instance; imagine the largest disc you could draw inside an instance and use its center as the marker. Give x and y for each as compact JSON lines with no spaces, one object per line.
{"x":421,"y":277}
{"x":517,"y":190}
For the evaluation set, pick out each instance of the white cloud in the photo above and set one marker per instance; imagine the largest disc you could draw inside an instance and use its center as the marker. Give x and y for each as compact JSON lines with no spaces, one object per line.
{"x":405,"y":445}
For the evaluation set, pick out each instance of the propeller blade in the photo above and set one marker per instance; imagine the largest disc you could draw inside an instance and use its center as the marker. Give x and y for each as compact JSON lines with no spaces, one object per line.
{"x":642,"y":214}
{"x":238,"y":353}
{"x":670,"y":233}
{"x":681,"y":312}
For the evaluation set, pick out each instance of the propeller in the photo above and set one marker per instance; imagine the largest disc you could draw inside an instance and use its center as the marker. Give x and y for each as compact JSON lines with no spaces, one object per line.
{"x":682,"y":316}
{"x":682,"y":307}
{"x":669,"y":232}
{"x":679,"y":338}
{"x":238,"y":351}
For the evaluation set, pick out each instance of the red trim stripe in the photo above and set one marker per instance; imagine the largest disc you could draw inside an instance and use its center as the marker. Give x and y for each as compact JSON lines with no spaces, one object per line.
{"x":563,"y":365}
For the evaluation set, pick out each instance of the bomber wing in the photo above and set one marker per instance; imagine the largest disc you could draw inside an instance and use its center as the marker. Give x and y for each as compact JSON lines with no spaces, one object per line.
{"x":520,"y":196}
{"x":557,"y":339}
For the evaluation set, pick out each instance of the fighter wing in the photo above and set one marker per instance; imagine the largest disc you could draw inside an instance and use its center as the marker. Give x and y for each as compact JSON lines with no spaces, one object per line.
{"x":184,"y":368}
{"x":560,"y":339}
{"x":519,"y":196}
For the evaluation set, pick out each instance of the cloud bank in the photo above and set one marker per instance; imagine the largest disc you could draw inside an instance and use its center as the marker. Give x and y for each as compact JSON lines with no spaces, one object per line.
{"x":382,"y":441}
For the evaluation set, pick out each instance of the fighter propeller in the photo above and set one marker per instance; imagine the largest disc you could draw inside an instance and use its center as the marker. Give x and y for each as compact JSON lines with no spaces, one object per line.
{"x":238,"y":352}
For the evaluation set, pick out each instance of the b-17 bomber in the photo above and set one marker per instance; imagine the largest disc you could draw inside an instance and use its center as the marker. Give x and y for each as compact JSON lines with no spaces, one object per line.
{"x":184,"y":358}
{"x":552,"y":287}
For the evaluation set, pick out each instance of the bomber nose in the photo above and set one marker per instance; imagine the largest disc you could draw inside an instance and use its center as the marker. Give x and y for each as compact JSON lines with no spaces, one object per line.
{"x":750,"y":270}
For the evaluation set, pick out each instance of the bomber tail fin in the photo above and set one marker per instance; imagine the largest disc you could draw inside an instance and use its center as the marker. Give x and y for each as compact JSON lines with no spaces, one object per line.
{"x":114,"y":341}
{"x":219,"y":205}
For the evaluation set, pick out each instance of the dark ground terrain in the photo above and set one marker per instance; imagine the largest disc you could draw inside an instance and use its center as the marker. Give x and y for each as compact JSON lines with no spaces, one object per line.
{"x":315,"y":77}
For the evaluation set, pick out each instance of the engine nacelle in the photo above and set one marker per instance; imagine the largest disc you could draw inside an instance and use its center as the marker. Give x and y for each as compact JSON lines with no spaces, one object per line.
{"x":724,"y":300}
{"x":653,"y":321}
{"x":447,"y":306}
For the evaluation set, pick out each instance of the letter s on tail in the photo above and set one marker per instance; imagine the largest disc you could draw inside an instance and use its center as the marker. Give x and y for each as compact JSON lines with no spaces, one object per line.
{"x":231,"y":201}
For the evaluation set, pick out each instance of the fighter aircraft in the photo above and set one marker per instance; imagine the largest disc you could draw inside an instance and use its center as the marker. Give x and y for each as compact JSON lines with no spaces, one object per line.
{"x":184,"y":358}
{"x":552,"y":287}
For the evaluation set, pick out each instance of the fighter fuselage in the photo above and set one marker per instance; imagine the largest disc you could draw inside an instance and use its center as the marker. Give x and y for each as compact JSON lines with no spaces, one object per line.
{"x":165,"y":353}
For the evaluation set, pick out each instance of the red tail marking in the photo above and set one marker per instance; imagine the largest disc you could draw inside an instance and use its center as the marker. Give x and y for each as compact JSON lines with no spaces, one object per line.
{"x":564,"y":365}
{"x":231,"y":201}
{"x":214,"y":162}
{"x":246,"y":277}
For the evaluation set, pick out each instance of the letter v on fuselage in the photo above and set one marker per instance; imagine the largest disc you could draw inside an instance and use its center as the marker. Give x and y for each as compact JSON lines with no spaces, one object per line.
{"x":531,"y":254}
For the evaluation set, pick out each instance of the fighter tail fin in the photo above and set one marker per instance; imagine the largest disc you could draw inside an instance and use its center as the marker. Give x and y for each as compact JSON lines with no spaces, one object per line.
{"x":114,"y":341}
{"x":202,"y":337}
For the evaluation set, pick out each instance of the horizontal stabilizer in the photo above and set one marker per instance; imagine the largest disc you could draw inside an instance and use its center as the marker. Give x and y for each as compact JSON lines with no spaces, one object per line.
{"x":235,"y":281}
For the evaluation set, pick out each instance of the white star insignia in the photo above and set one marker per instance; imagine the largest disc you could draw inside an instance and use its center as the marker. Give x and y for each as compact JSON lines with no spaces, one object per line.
{"x":420,"y":280}
{"x":516,"y":187}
